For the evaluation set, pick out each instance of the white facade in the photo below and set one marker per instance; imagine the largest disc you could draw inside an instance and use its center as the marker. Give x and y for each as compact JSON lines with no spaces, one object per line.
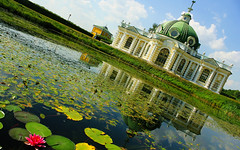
{"x":170,"y":54}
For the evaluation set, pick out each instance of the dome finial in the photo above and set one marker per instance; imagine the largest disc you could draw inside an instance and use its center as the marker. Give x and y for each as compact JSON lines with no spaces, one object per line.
{"x":190,"y":8}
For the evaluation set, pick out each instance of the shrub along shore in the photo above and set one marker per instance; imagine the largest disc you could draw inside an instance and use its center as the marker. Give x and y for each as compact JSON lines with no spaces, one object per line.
{"x":41,"y":25}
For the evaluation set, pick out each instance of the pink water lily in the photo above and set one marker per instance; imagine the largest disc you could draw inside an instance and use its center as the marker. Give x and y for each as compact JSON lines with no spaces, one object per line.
{"x":35,"y":140}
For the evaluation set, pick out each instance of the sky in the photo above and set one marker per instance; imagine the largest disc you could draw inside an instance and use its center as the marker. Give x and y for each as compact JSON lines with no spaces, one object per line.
{"x":216,"y":22}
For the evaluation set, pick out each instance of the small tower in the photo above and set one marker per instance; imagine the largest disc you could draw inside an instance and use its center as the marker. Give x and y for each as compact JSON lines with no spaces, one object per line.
{"x":186,"y":17}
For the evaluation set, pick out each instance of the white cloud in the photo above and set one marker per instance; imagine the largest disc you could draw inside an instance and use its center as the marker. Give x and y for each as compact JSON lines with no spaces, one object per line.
{"x":232,"y":84}
{"x":117,"y":10}
{"x":229,"y":57}
{"x":209,"y":36}
{"x":151,"y":9}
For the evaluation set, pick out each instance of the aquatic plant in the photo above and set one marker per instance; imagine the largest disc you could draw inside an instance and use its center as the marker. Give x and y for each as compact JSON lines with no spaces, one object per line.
{"x":18,"y":134}
{"x":84,"y":146}
{"x":35,"y":140}
{"x":38,"y":128}
{"x":58,"y":142}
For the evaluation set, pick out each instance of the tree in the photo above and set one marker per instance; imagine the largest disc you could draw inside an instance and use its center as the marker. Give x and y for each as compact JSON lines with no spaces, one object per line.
{"x":153,"y":28}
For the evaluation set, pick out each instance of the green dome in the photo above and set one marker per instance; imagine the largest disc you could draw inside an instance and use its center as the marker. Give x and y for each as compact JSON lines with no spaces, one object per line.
{"x":181,"y":31}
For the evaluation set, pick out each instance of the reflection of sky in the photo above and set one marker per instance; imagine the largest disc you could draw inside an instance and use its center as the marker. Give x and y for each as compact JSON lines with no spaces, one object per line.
{"x":210,"y":139}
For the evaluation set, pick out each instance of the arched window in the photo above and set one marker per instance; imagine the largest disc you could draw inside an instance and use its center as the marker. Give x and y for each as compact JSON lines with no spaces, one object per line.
{"x":128,"y":43}
{"x":162,"y":57}
{"x":204,"y":75}
{"x":181,"y":65}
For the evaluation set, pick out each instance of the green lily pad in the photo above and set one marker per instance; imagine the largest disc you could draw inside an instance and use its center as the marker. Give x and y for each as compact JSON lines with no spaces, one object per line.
{"x":2,"y":114}
{"x":13,"y":108}
{"x":1,"y":125}
{"x":58,"y":142}
{"x":38,"y":128}
{"x":18,"y":134}
{"x":26,"y":117}
{"x":4,"y":102}
{"x":71,"y":113}
{"x":84,"y":146}
{"x":98,"y":136}
{"x":112,"y":147}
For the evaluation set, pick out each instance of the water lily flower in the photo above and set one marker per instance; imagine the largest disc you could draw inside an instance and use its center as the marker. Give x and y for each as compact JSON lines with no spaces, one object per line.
{"x":35,"y":140}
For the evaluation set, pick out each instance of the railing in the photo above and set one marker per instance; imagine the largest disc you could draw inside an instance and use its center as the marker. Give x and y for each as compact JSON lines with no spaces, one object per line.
{"x":221,"y":64}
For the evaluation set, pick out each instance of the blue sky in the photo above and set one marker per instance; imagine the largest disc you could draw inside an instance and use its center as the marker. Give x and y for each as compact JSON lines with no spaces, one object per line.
{"x":216,"y":22}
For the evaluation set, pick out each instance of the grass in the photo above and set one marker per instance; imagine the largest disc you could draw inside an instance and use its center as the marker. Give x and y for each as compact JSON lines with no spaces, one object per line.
{"x":32,"y":22}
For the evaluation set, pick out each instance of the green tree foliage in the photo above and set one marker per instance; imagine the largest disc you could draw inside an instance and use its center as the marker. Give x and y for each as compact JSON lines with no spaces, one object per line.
{"x":153,"y":28}
{"x":104,"y":39}
{"x":234,"y":94}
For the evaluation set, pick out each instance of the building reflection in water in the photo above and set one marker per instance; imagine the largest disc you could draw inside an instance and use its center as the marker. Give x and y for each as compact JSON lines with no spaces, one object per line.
{"x":179,"y":114}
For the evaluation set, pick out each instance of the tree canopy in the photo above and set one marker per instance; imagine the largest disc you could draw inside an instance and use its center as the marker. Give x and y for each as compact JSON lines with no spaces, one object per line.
{"x":153,"y":28}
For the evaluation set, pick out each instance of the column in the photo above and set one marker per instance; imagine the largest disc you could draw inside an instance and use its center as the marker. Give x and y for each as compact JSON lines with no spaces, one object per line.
{"x":116,"y":39}
{"x":198,"y":73}
{"x":176,"y":63}
{"x":170,"y":62}
{"x":131,"y":48}
{"x":127,"y":82}
{"x":190,"y":116}
{"x":222,"y":84}
{"x":194,"y":72}
{"x":189,"y":66}
{"x":210,"y":79}
{"x":142,"y":50}
{"x":135,"y":48}
{"x":153,"y":51}
{"x":119,"y":75}
{"x":120,"y":45}
{"x":214,"y":79}
{"x":154,"y":93}
{"x":108,"y":71}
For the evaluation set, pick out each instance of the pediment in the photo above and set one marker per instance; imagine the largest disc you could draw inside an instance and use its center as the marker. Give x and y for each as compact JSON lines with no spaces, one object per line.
{"x":133,"y":29}
{"x":211,"y":61}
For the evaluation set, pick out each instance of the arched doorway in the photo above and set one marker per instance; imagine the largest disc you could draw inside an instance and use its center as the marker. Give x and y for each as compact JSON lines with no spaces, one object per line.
{"x":162,"y":57}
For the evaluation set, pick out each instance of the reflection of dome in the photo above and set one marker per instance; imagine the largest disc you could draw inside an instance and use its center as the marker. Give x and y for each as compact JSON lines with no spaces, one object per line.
{"x":180,"y":30}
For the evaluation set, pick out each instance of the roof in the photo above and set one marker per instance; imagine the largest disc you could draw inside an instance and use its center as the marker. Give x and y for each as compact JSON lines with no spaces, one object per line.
{"x":185,"y":32}
{"x":137,"y":30}
{"x":104,"y":28}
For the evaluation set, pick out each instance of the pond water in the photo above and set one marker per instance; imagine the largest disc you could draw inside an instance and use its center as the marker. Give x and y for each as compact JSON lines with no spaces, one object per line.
{"x":69,"y":91}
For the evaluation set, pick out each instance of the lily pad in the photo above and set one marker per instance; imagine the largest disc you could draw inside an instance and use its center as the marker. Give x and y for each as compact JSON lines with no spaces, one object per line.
{"x":26,"y":117}
{"x":4,"y":102}
{"x":84,"y":146}
{"x":1,"y":125}
{"x":58,"y":142}
{"x":42,"y":116}
{"x":38,"y":128}
{"x":71,"y":113}
{"x":13,"y":108}
{"x":112,"y":147}
{"x":2,"y":114}
{"x":18,"y":134}
{"x":98,"y":136}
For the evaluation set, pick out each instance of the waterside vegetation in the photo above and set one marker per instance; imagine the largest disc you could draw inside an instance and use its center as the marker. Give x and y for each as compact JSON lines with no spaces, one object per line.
{"x":30,"y":21}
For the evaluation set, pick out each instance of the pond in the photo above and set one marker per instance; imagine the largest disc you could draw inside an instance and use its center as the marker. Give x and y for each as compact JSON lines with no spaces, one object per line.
{"x":69,"y":97}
